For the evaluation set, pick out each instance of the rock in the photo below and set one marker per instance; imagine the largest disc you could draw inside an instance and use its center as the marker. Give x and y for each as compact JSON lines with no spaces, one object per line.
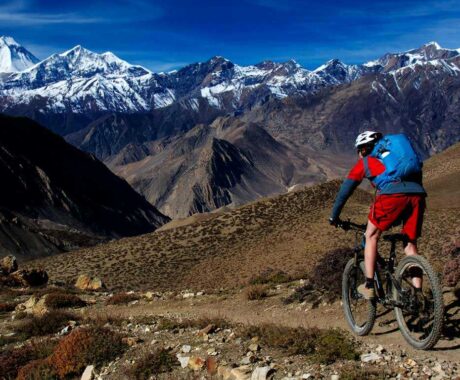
{"x":183,"y":360}
{"x":241,"y":373}
{"x":211,"y":365}
{"x":96,"y":284}
{"x":254,"y":347}
{"x":88,"y":373}
{"x":196,"y":363}
{"x":335,"y":377}
{"x":369,"y":358}
{"x":84,"y":282}
{"x":261,"y":373}
{"x":380,"y":349}
{"x":130,"y":341}
{"x":32,"y":277}
{"x":65,"y":330}
{"x":8,"y":264}
{"x":186,"y":348}
{"x":149,"y":295}
{"x":411,"y":362}
{"x":188,"y":295}
{"x":224,"y":372}
{"x":34,"y":305}
{"x":209,"y":329}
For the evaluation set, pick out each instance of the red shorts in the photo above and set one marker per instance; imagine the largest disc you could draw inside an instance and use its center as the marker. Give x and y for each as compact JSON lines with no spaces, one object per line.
{"x":391,"y":209}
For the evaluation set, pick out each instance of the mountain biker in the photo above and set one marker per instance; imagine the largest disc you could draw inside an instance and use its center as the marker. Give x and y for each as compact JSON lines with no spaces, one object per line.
{"x":402,"y":200}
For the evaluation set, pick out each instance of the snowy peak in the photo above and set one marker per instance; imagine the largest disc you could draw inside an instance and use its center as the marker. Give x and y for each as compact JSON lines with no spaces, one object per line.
{"x":14,"y":57}
{"x":428,"y":52}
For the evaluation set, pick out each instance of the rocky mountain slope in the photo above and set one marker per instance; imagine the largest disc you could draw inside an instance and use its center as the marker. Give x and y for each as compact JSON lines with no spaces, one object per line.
{"x":54,"y":197}
{"x":139,"y":123}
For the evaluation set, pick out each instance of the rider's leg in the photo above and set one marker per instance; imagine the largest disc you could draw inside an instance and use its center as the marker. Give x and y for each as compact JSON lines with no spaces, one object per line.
{"x":411,"y":250}
{"x":370,"y":250}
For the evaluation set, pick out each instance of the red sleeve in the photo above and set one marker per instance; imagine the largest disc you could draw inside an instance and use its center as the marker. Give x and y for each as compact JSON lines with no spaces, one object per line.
{"x":357,"y":173}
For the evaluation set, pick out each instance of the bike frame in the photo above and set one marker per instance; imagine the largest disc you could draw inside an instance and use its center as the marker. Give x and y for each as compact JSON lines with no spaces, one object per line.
{"x":382,"y":267}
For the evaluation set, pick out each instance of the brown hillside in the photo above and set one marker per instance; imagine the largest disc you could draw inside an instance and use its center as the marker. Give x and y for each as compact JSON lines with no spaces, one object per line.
{"x":442,"y":178}
{"x":288,"y":232}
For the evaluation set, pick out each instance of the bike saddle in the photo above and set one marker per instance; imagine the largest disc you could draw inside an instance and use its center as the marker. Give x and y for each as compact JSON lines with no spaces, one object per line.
{"x":395,"y":237}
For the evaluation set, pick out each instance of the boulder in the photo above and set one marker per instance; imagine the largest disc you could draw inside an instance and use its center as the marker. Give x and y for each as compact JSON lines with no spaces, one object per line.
{"x":88,"y":374}
{"x":34,"y":277}
{"x":8,"y":264}
{"x":34,"y":305}
{"x":85,"y":282}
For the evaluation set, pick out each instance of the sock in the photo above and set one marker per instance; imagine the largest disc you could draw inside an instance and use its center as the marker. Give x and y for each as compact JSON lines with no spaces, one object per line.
{"x":369,"y":283}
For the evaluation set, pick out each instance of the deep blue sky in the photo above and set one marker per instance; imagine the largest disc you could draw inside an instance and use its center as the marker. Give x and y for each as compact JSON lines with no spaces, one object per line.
{"x":167,"y":34}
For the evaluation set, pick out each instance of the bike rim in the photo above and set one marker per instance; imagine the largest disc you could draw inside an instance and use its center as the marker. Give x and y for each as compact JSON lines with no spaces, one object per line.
{"x":418,"y":304}
{"x":357,"y":305}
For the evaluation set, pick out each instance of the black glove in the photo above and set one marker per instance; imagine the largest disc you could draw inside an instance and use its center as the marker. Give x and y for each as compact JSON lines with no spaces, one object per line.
{"x":334,"y":221}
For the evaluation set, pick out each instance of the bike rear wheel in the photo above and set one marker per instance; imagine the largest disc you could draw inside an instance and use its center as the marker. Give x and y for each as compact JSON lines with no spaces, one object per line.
{"x":421,"y":312}
{"x":359,"y":312}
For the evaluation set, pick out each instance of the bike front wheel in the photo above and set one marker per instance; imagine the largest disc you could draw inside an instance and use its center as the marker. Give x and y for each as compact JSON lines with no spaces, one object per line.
{"x":420,"y":310}
{"x":359,"y":312}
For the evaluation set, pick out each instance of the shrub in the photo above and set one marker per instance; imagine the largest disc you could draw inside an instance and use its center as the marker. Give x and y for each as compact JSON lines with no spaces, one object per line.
{"x":328,"y":272}
{"x":49,"y":323}
{"x":333,"y":345}
{"x":323,"y":346}
{"x":58,"y":300}
{"x":122,"y":298}
{"x":451,"y":271}
{"x":199,"y":323}
{"x":271,"y":276}
{"x":256,"y":292}
{"x":153,"y":363}
{"x":37,"y":370}
{"x":85,"y":346}
{"x":355,"y":372}
{"x":12,"y":360}
{"x":6,"y":307}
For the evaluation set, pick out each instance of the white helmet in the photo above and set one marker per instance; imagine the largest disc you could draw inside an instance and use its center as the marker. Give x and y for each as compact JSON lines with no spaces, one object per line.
{"x":367,"y":137}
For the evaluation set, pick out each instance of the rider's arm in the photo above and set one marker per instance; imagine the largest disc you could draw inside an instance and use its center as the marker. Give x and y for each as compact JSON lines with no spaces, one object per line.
{"x":349,"y":185}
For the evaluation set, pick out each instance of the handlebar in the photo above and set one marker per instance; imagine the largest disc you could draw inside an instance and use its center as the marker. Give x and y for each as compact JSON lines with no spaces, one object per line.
{"x":347,"y":225}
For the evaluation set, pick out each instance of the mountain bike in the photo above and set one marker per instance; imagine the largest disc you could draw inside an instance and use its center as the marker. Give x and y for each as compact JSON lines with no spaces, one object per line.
{"x":419,"y":311}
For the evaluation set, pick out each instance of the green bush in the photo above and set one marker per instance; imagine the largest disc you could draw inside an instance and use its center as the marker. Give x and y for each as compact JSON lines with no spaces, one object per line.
{"x":332,"y":345}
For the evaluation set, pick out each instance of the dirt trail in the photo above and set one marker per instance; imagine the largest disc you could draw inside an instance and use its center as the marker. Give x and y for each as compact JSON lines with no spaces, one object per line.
{"x":238,"y":309}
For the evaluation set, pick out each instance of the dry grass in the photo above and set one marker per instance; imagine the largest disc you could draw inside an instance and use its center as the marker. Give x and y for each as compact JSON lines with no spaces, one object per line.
{"x":49,"y":323}
{"x":321,"y":346}
{"x":153,"y":363}
{"x":289,"y":231}
{"x":198,"y":323}
{"x":256,"y":292}
{"x":122,"y":298}
{"x":60,"y":300}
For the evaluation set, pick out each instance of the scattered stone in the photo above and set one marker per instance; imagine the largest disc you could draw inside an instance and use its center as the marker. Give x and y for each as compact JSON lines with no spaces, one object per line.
{"x":149,"y":295}
{"x":186,"y":348}
{"x":241,"y":373}
{"x":131,"y":341}
{"x":8,"y":264}
{"x":261,"y":373}
{"x":183,"y":360}
{"x":254,"y":347}
{"x":65,"y":330}
{"x":209,"y":329}
{"x":380,"y":349}
{"x":88,"y":373}
{"x":411,"y":362}
{"x":188,"y":295}
{"x":369,"y":358}
{"x":196,"y":363}
{"x":335,"y":377}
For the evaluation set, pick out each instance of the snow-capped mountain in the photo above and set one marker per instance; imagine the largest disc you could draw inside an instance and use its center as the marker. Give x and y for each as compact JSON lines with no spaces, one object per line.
{"x":80,"y":81}
{"x":14,"y":57}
